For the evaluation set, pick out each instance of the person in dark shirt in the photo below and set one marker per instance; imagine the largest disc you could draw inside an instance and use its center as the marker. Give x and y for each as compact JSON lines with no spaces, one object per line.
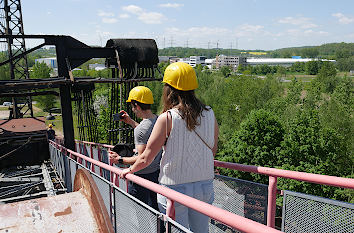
{"x":50,"y":132}
{"x":141,"y":99}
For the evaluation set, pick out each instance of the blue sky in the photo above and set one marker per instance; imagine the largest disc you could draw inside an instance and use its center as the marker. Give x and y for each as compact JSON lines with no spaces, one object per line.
{"x":252,"y":24}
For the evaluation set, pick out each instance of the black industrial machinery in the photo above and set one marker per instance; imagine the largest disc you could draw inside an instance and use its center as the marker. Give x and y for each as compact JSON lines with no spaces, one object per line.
{"x":26,"y":171}
{"x":131,"y":61}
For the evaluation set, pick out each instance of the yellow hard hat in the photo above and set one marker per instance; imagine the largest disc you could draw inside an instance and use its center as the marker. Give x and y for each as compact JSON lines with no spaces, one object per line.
{"x":50,"y":126}
{"x":181,"y":76}
{"x":141,"y":94}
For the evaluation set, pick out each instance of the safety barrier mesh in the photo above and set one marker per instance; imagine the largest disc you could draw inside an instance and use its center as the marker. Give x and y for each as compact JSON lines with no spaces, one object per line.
{"x":73,"y":169}
{"x":241,"y":197}
{"x":104,"y":188}
{"x":307,"y":213}
{"x":175,"y":227}
{"x":95,"y":157}
{"x":132,"y":215}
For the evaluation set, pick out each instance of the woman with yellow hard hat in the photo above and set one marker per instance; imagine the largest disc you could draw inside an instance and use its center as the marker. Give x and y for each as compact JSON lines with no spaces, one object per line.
{"x":188,"y":133}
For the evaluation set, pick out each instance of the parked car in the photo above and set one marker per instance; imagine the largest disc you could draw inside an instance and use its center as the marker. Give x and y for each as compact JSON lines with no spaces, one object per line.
{"x":7,"y":104}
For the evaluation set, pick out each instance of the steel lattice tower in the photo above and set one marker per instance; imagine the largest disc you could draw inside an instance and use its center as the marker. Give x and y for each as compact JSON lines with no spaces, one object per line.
{"x":11,"y":23}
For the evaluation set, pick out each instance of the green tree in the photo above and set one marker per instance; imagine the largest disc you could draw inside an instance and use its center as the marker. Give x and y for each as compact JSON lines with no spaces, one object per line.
{"x":256,"y":143}
{"x":345,"y":64}
{"x":309,"y":52}
{"x":298,"y":67}
{"x":226,"y":71}
{"x":294,"y":92}
{"x":311,"y":67}
{"x":4,"y":70}
{"x":310,"y":147}
{"x":42,"y":71}
{"x":281,"y":70}
{"x":327,"y":76}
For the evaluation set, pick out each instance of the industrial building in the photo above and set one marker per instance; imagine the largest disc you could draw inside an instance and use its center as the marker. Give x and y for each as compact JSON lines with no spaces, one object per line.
{"x":231,"y":61}
{"x":49,"y":61}
{"x":287,"y":62}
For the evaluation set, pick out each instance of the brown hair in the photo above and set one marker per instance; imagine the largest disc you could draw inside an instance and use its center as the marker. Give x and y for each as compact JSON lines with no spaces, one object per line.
{"x":188,"y":104}
{"x":142,"y":105}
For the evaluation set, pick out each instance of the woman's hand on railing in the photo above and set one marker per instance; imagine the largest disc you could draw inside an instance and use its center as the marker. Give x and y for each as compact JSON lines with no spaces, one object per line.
{"x":125,"y":172}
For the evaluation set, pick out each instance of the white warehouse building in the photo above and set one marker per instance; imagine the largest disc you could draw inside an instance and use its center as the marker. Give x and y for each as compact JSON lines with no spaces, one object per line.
{"x":197,"y":60}
{"x":280,"y":61}
{"x":49,"y":61}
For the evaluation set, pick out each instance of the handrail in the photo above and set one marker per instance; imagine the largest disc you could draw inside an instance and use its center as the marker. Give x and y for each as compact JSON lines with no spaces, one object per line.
{"x":228,"y":218}
{"x":273,"y":174}
{"x":295,"y":175}
{"x":95,"y":144}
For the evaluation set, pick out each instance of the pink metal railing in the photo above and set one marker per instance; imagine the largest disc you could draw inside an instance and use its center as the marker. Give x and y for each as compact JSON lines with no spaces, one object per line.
{"x":273,"y":174}
{"x":228,"y":218}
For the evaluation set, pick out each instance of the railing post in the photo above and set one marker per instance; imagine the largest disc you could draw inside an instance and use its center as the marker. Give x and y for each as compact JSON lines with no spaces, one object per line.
{"x":92,"y":165}
{"x":170,"y":210}
{"x":99,"y":158}
{"x":272,"y":198}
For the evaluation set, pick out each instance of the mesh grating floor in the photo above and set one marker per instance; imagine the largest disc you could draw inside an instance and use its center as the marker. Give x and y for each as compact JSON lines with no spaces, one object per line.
{"x":307,"y":213}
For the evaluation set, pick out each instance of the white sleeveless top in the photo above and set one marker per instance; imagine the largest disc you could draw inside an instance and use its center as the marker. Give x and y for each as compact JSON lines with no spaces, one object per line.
{"x":185,"y":157}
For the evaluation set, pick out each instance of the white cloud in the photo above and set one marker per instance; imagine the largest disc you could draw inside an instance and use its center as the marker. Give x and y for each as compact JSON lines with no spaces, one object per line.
{"x":248,"y":30}
{"x":151,"y":17}
{"x":107,"y":17}
{"x":308,"y":32}
{"x":143,"y":15}
{"x":343,"y":19}
{"x":302,"y":22}
{"x":102,"y":13}
{"x":104,"y":34}
{"x":109,"y":20}
{"x":124,"y":16}
{"x":251,"y":28}
{"x":197,"y":32}
{"x":133,"y":9}
{"x":171,"y":5}
{"x":203,"y":31}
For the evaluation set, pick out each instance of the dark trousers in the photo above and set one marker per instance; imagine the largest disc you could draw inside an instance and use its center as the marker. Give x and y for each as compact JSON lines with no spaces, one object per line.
{"x":144,"y":194}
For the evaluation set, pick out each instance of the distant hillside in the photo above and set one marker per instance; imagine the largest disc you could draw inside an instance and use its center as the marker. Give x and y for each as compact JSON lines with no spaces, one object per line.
{"x":209,"y":53}
{"x":330,"y":51}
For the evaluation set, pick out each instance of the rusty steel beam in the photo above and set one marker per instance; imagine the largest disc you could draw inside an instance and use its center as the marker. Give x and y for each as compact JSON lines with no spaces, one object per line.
{"x":29,"y":94}
{"x":33,"y":84}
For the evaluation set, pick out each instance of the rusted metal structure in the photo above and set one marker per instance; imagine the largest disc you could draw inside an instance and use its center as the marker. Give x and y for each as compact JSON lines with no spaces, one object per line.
{"x":78,"y":211}
{"x":24,"y":172}
{"x":131,"y":61}
{"x":11,"y":23}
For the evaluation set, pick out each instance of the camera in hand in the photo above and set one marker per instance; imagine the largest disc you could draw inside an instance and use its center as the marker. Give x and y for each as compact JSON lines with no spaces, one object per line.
{"x":118,"y":116}
{"x":124,"y":150}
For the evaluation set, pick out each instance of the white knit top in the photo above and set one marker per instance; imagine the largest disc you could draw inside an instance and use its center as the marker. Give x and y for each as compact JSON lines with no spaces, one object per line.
{"x":185,"y":157}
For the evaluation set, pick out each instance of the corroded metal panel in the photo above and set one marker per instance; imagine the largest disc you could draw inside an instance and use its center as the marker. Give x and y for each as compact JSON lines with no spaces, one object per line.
{"x":23,"y":125}
{"x":80,"y":211}
{"x":63,"y":213}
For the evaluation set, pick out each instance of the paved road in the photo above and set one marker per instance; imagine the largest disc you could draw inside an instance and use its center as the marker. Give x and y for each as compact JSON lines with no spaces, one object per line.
{"x":4,"y":114}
